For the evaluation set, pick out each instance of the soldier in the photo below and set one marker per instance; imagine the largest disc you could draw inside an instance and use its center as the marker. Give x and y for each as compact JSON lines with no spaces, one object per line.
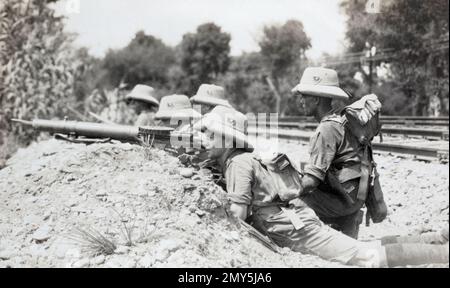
{"x":335,"y":153}
{"x":293,"y":224}
{"x":143,"y":102}
{"x":209,"y":96}
{"x":176,"y":111}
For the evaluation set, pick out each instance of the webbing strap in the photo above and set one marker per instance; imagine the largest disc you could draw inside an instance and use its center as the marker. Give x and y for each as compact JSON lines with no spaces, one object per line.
{"x":366,"y":169}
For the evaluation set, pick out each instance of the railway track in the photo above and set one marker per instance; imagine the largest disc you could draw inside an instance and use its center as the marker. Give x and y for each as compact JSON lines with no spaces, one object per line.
{"x":399,"y":119}
{"x":408,"y":128}
{"x":418,"y":152}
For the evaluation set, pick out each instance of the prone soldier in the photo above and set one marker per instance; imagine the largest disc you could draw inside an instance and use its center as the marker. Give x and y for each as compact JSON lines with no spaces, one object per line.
{"x":176,"y":111}
{"x":142,"y":100}
{"x":209,"y":96}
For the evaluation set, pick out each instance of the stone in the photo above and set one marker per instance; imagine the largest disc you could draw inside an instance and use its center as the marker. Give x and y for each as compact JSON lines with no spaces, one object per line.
{"x":73,"y":253}
{"x":31,"y":219}
{"x":122,"y":250}
{"x":147,"y":261}
{"x":101,"y":193}
{"x":42,"y":234}
{"x":99,"y":260}
{"x":200,"y":213}
{"x":171,"y":245}
{"x":187,"y":172}
{"x":5,"y":255}
{"x":47,"y":215}
{"x":82,"y":263}
{"x":120,"y":261}
{"x":161,"y":255}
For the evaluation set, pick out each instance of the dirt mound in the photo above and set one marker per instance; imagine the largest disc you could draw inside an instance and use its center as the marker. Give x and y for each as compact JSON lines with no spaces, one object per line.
{"x":54,"y":196}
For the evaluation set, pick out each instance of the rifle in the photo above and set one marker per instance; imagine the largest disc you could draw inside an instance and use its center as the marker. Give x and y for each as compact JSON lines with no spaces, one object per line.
{"x":89,"y":132}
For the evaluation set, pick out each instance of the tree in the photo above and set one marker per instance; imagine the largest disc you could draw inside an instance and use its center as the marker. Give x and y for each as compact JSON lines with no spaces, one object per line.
{"x":283,"y":49}
{"x":245,"y":84}
{"x":204,"y":56}
{"x":38,"y":68}
{"x":145,"y":60}
{"x":416,"y":34}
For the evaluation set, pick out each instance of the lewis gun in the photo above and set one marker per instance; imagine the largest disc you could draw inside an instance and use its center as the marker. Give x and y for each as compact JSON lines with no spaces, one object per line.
{"x":89,"y":132}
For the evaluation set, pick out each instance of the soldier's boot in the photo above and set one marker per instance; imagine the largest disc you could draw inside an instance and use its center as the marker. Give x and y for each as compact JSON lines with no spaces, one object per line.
{"x":402,"y":254}
{"x":425,"y":238}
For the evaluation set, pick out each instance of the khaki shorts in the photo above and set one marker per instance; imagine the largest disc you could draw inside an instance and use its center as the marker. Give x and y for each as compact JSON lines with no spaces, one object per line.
{"x":316,"y":238}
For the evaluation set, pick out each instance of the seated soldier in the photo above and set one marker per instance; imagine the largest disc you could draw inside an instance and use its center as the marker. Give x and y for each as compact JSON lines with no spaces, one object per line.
{"x":209,"y":96}
{"x":293,"y":224}
{"x":141,"y":99}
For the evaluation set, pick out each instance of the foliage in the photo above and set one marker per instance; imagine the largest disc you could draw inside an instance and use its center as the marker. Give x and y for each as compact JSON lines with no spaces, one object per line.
{"x":416,"y":34}
{"x":245,"y":71}
{"x":204,"y":56}
{"x":145,"y":60}
{"x":38,"y":66}
{"x":283,"y":50}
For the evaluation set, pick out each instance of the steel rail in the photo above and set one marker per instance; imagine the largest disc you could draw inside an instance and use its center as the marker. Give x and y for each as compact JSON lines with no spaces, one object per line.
{"x":436,"y":153}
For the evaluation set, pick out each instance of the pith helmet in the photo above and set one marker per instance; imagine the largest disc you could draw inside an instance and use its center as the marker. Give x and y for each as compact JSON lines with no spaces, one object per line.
{"x":211,"y":95}
{"x":227,"y":122}
{"x":321,"y":82}
{"x":177,"y":107}
{"x":143,"y":93}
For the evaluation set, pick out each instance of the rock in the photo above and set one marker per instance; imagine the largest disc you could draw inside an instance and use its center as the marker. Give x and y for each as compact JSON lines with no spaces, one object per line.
{"x":42,"y":234}
{"x":187,"y":172}
{"x":99,"y":260}
{"x":31,"y":219}
{"x":60,"y":249}
{"x":200,"y":213}
{"x":73,"y":253}
{"x":234,"y":235}
{"x":171,"y":245}
{"x":5,"y":255}
{"x":82,"y":263}
{"x":161,"y":255}
{"x":120,"y":262}
{"x":147,"y":261}
{"x":101,"y":193}
{"x":122,"y":250}
{"x":47,"y":215}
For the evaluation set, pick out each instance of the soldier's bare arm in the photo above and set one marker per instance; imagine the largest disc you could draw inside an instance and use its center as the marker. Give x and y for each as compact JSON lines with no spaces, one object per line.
{"x":239,"y":210}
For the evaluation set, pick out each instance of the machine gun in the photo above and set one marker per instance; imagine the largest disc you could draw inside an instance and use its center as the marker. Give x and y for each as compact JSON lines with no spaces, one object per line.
{"x":89,"y":132}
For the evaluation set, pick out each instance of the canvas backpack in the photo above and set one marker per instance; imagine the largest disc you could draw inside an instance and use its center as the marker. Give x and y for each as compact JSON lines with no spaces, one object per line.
{"x":362,"y":120}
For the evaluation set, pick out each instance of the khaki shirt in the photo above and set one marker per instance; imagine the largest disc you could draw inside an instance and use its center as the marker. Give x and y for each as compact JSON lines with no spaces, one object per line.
{"x":247,"y":181}
{"x":333,"y":147}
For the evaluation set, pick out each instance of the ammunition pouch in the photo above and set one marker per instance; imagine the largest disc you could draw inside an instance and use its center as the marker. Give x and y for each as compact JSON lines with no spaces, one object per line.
{"x":376,"y":206}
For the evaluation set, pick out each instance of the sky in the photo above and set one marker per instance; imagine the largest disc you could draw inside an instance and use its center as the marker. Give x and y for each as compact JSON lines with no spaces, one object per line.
{"x":105,"y":24}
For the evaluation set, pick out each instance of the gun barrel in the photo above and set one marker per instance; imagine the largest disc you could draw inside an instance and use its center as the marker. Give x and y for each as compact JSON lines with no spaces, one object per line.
{"x":87,"y":129}
{"x":24,"y":122}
